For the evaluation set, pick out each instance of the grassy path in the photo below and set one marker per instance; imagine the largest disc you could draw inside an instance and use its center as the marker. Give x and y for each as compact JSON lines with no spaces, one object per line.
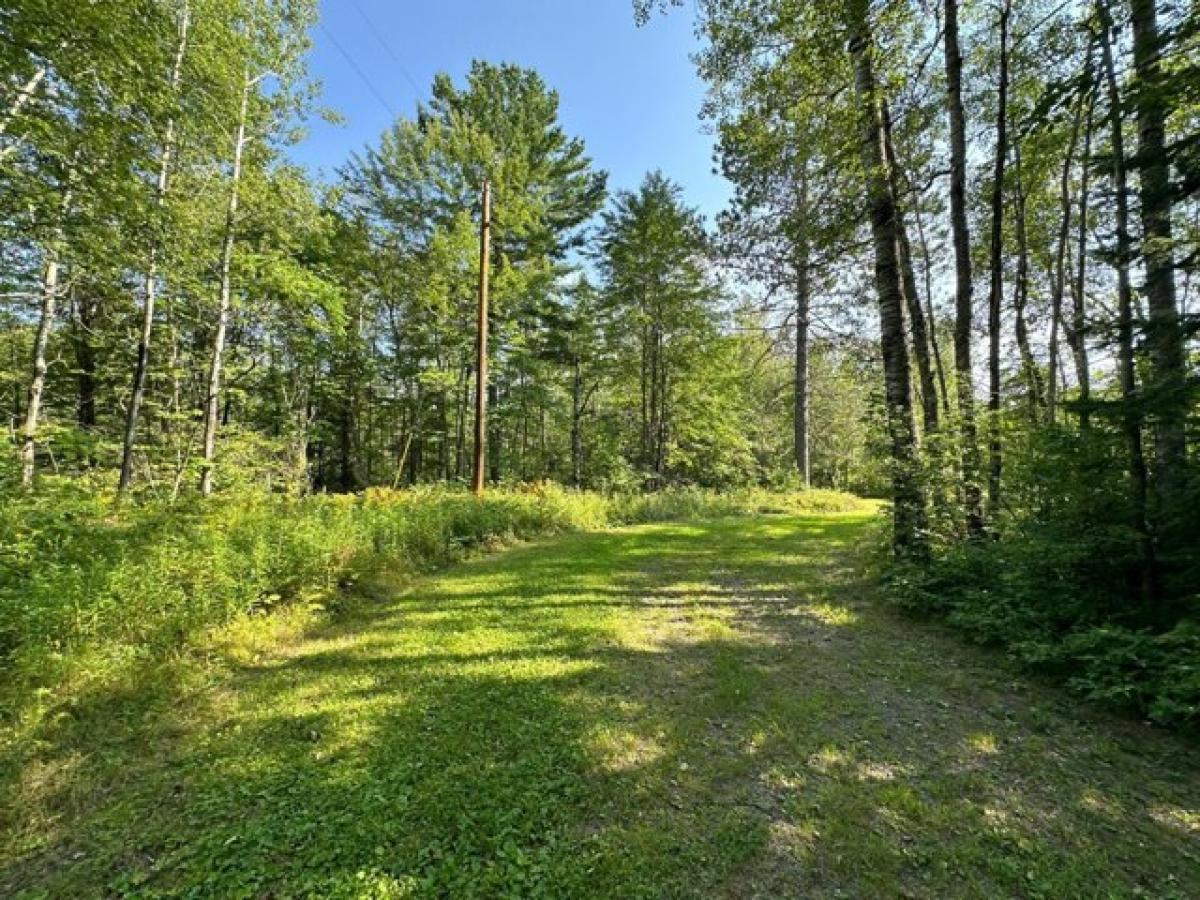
{"x":706,"y":710}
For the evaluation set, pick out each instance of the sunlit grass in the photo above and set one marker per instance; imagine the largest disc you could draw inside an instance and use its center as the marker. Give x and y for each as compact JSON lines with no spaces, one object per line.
{"x":712,"y":709}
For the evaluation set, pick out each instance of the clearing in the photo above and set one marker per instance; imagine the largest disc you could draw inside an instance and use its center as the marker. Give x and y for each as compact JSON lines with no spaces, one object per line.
{"x":705,"y":709}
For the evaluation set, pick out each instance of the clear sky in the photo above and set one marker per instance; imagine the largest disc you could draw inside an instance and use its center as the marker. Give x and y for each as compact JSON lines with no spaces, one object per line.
{"x":631,"y":93}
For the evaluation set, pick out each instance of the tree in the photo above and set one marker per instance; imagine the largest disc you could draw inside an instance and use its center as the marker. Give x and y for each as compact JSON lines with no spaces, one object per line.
{"x":996,"y":292}
{"x":1163,"y":334}
{"x":150,"y":279}
{"x":651,"y":257}
{"x":273,"y":36}
{"x":963,"y":284}
{"x":908,"y":536}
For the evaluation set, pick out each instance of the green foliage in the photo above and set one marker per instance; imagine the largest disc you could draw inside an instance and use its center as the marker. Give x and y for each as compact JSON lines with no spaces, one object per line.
{"x":681,"y":504}
{"x":87,"y":586}
{"x":1052,"y":583}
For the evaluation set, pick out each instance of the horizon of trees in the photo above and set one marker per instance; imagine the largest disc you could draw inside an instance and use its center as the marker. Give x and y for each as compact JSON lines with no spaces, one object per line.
{"x":184,"y":310}
{"x":184,"y":306}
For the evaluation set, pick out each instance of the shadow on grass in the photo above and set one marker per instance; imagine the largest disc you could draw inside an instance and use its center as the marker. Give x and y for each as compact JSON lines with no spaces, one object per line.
{"x":688,"y":710}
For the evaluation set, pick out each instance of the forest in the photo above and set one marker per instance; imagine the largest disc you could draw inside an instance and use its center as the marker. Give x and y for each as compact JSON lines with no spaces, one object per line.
{"x":945,"y":331}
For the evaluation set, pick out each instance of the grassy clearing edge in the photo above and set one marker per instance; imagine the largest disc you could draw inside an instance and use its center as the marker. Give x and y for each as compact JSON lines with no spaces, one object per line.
{"x":93,"y":599}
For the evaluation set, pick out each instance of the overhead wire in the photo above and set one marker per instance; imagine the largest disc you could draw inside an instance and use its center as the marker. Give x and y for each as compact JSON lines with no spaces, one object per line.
{"x":358,"y":71}
{"x":377,"y":33}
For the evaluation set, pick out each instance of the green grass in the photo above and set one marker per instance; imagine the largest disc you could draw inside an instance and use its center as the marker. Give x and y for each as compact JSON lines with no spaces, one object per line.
{"x":710,"y":708}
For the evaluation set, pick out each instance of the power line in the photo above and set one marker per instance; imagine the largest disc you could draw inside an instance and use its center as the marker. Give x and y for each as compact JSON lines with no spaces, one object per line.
{"x":361,"y":74}
{"x":377,"y":33}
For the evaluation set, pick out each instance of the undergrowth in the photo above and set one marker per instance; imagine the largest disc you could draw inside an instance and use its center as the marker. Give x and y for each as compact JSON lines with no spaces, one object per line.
{"x":1036,"y":600}
{"x":92,"y":592}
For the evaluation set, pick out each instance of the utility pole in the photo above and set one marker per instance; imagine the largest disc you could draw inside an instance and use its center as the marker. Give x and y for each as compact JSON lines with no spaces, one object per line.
{"x":481,"y":341}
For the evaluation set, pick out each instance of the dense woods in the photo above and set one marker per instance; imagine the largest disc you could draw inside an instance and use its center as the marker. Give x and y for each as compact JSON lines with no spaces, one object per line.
{"x":958,"y":271}
{"x":1012,"y":187}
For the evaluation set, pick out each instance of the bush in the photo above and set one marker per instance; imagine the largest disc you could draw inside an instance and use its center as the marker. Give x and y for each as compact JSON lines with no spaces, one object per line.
{"x":1058,"y":581}
{"x":1023,"y":597}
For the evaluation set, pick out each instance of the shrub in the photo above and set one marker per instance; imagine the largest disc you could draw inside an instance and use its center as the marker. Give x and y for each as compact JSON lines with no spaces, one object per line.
{"x":1010,"y":595}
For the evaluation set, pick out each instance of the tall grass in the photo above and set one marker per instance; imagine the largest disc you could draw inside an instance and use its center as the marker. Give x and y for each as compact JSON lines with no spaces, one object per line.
{"x":89,"y":589}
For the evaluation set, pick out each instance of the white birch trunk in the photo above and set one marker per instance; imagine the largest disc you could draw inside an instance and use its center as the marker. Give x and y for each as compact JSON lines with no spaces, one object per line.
{"x":212,"y":399}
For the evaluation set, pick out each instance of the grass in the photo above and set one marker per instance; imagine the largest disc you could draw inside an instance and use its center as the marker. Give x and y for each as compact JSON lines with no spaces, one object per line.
{"x":709,"y":708}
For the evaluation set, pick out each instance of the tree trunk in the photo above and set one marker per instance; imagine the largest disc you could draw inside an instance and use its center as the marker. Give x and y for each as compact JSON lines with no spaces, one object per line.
{"x":655,"y":405}
{"x":577,"y":423}
{"x":82,"y":318}
{"x":909,"y":501}
{"x":150,"y":282}
{"x":643,"y":386}
{"x":1058,"y":286}
{"x":803,"y":304}
{"x":972,"y":493}
{"x":495,"y":439}
{"x":348,"y":481}
{"x":996,"y":262}
{"x":660,"y":458}
{"x":1030,"y":372}
{"x":912,"y":300}
{"x":930,"y":318}
{"x":1164,"y":336}
{"x":1078,"y":333}
{"x":460,"y":436}
{"x":24,"y":95}
{"x":37,"y":383}
{"x":1131,"y":419}
{"x":212,"y":399}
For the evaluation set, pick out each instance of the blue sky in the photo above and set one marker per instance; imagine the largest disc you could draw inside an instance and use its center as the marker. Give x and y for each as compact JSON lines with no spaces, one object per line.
{"x":631,"y":93}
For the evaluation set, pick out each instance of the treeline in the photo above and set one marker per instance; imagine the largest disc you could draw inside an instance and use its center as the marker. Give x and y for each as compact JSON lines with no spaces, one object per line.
{"x":1017,"y":186}
{"x":183,"y":310}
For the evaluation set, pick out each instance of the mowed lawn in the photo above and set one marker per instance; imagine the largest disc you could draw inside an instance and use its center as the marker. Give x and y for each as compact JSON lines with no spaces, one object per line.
{"x":700,"y":710}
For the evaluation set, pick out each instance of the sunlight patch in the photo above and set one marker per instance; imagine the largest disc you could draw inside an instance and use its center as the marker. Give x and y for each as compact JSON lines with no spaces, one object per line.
{"x":1098,"y":802}
{"x":827,"y":759}
{"x":625,"y":751}
{"x":828,"y":614}
{"x":983,"y":743}
{"x":796,"y":837}
{"x":873,"y":771}
{"x":546,"y":669}
{"x":996,"y":816}
{"x":712,"y":628}
{"x":1177,"y":818}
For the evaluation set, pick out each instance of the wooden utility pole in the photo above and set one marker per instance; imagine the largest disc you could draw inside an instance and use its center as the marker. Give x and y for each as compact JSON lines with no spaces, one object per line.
{"x":481,"y":341}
